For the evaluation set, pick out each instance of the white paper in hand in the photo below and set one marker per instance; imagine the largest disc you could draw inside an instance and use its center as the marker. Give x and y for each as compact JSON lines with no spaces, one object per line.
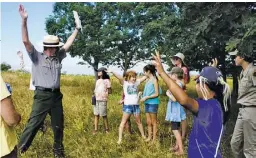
{"x":77,"y":19}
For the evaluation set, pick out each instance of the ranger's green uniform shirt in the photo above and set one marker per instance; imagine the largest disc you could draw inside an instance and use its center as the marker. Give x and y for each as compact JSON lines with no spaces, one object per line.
{"x":247,"y":86}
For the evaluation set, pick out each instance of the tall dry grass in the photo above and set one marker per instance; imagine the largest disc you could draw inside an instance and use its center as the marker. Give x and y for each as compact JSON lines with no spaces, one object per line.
{"x":78,"y":112}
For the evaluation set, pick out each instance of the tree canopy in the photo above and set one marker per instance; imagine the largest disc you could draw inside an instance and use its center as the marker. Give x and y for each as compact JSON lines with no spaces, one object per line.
{"x":123,"y":34}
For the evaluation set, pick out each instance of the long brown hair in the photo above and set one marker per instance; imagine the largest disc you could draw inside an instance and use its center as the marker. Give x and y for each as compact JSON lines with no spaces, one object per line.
{"x":187,"y":77}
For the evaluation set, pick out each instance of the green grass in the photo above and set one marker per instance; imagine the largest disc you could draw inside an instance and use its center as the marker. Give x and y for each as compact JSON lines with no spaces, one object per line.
{"x":78,"y":112}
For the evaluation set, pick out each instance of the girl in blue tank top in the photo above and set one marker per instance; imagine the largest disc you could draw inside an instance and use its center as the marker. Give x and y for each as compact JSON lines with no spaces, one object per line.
{"x":151,"y":100}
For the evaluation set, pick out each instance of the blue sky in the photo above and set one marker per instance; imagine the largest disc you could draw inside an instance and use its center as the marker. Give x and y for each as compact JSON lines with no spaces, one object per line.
{"x":11,"y":40}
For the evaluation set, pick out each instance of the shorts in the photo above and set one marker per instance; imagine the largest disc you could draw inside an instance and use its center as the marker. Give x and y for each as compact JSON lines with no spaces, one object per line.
{"x":131,"y":109}
{"x":175,"y":125}
{"x":151,"y":108}
{"x":100,"y":108}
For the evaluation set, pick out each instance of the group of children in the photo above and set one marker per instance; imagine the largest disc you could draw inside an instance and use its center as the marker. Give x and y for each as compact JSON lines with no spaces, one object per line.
{"x":131,"y":99}
{"x":209,"y":110}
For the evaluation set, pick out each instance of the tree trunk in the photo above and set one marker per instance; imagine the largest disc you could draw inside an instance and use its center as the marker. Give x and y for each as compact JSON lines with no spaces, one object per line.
{"x":124,"y":71}
{"x":125,"y":68}
{"x":95,"y":68}
{"x":223,"y":63}
{"x":126,"y":62}
{"x":234,"y":109}
{"x":235,"y":83}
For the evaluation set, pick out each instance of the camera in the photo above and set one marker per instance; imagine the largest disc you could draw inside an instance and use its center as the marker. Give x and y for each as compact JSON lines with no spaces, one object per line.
{"x":254,"y":53}
{"x":8,"y":86}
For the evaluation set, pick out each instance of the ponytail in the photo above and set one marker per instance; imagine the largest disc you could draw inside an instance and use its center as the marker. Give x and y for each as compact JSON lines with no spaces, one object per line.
{"x":150,"y":68}
{"x":188,"y":74}
{"x":222,"y":94}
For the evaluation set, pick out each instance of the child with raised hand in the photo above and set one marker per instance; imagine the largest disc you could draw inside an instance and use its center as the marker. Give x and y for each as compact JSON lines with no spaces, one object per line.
{"x":210,"y":110}
{"x":175,"y":112}
{"x":128,"y":123}
{"x":131,"y":101}
{"x":151,"y":100}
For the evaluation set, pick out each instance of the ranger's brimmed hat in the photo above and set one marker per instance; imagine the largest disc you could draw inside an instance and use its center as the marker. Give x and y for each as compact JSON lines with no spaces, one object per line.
{"x":52,"y":41}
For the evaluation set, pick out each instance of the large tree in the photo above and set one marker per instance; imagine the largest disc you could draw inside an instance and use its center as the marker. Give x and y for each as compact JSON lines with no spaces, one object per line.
{"x":126,"y":35}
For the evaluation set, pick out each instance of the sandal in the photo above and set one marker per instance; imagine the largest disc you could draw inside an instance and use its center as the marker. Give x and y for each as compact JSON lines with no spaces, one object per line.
{"x":107,"y":131}
{"x":174,"y":148}
{"x":94,"y":132}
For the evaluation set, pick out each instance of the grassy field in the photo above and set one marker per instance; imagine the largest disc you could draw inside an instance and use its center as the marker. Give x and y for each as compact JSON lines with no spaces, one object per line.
{"x":78,"y":112}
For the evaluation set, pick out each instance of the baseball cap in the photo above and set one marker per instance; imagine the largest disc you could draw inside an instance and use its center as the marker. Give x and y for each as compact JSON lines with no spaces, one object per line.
{"x":211,"y":74}
{"x":102,"y":69}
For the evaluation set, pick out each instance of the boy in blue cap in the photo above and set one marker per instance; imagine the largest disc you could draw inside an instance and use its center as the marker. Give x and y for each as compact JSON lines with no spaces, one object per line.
{"x":210,"y":109}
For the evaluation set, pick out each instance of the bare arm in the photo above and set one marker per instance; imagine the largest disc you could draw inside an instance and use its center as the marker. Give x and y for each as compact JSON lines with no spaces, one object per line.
{"x":74,"y":34}
{"x":8,"y":112}
{"x":70,"y":40}
{"x":120,"y":78}
{"x":170,"y":96}
{"x":24,"y":29}
{"x":142,"y":79}
{"x":175,"y":89}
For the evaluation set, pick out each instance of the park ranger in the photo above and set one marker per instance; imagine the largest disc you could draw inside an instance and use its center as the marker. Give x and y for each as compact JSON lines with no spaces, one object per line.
{"x":243,"y":141}
{"x":46,"y":71}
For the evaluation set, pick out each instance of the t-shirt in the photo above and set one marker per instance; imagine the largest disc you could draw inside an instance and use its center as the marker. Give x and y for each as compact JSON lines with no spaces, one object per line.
{"x":101,"y":89}
{"x":131,"y":93}
{"x":8,"y":139}
{"x":205,"y":137}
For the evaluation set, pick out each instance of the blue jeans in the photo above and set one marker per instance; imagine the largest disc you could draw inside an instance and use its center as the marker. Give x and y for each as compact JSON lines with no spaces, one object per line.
{"x":151,"y":108}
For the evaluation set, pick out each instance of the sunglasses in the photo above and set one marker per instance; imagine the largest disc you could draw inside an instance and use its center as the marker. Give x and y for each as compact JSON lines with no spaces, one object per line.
{"x":175,"y":58}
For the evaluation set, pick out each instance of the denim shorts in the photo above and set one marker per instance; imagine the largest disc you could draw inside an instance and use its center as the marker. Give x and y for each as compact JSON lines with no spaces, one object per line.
{"x":131,"y":109}
{"x":151,"y":108}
